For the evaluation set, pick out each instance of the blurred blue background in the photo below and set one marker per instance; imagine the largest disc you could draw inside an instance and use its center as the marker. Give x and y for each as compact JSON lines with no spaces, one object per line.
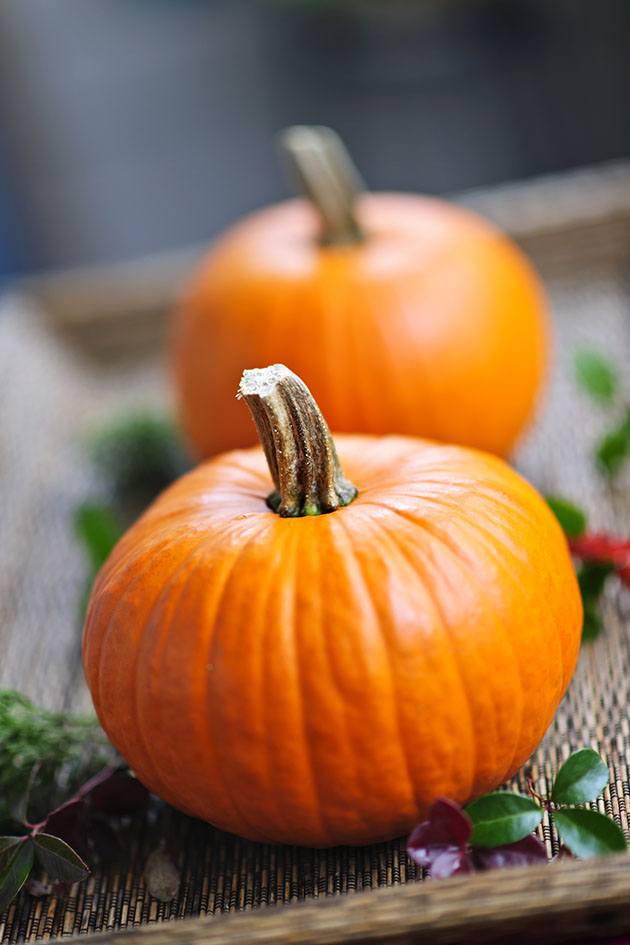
{"x":132,"y":127}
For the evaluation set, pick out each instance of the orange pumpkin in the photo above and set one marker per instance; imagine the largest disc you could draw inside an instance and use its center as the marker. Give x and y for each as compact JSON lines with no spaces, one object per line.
{"x":321,"y":678}
{"x":412,"y":296}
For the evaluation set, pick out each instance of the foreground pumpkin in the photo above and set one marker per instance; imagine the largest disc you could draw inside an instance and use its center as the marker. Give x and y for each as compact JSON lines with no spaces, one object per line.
{"x":318,"y":678}
{"x":411,"y":296}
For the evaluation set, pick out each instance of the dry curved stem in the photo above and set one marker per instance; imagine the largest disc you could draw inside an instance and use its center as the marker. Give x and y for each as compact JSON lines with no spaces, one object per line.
{"x":325,"y":173}
{"x":298,"y":446}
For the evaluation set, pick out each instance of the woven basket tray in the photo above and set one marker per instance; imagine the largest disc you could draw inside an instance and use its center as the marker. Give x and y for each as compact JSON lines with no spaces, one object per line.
{"x":577,"y":229}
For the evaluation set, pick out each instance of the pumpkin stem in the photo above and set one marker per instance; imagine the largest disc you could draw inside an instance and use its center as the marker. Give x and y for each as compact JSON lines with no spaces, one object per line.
{"x":326,"y":175}
{"x":299,"y":448}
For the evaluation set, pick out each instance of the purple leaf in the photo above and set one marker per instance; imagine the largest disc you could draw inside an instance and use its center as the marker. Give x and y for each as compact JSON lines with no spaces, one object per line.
{"x":449,"y":821}
{"x":63,"y":821}
{"x":447,"y":828}
{"x":452,"y":861}
{"x":522,"y":853}
{"x":116,"y":794}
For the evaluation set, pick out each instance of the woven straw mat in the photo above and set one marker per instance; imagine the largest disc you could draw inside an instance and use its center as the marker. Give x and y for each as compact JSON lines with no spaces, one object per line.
{"x":50,"y":395}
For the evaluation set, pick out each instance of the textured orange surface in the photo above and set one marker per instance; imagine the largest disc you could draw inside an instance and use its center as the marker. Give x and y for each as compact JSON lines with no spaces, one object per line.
{"x":437,"y":312}
{"x":321,"y":680}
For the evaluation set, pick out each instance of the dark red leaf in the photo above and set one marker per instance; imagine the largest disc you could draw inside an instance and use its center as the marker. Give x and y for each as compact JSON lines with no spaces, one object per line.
{"x":600,"y":546}
{"x":447,"y":829}
{"x":63,"y":821}
{"x":525,"y":851}
{"x":66,"y":814}
{"x":452,"y":861}
{"x":118,"y":794}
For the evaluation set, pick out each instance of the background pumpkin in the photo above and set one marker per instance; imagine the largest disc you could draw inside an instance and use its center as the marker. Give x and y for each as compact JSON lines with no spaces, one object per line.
{"x":412,"y":296}
{"x":320,"y":679}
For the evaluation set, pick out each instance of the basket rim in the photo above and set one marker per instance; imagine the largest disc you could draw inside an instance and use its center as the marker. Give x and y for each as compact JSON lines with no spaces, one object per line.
{"x":560,"y":902}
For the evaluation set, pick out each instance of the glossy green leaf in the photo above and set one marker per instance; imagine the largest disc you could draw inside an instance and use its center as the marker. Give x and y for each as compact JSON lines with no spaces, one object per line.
{"x":16,"y":870}
{"x":588,"y":833}
{"x":502,"y":817}
{"x":59,"y":860}
{"x":596,"y":375}
{"x":613,"y":449}
{"x":7,"y":844}
{"x":571,"y":517}
{"x":582,"y":778}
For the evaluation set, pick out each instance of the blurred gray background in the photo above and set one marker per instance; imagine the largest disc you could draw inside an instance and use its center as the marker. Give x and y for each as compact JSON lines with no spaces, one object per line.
{"x":133,"y":126}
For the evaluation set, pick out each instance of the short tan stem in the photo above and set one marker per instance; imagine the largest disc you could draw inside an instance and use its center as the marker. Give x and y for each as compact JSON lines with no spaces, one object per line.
{"x":326,"y":175}
{"x":299,"y":448}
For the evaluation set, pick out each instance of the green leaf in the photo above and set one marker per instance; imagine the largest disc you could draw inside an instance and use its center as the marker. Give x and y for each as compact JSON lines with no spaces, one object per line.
{"x":588,"y":833}
{"x":596,"y":375}
{"x":592,"y":624}
{"x":59,"y":860}
{"x":571,"y":517}
{"x":592,"y":577}
{"x":98,"y":529}
{"x":138,"y":454}
{"x":614,"y":448}
{"x":582,"y":777}
{"x":502,"y":817}
{"x":15,"y":872}
{"x":7,"y":846}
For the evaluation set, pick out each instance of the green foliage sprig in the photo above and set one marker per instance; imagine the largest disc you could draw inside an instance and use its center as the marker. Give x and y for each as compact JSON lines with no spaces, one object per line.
{"x":503,"y":817}
{"x":138,"y":455}
{"x":496,"y":830}
{"x":135,"y":457}
{"x":61,"y":783}
{"x":44,"y":755}
{"x":599,"y":379}
{"x":98,"y":529}
{"x":599,"y":554}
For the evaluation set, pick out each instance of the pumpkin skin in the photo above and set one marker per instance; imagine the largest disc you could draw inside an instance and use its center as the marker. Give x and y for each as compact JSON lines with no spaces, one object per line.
{"x":321,"y":680}
{"x":436,"y":310}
